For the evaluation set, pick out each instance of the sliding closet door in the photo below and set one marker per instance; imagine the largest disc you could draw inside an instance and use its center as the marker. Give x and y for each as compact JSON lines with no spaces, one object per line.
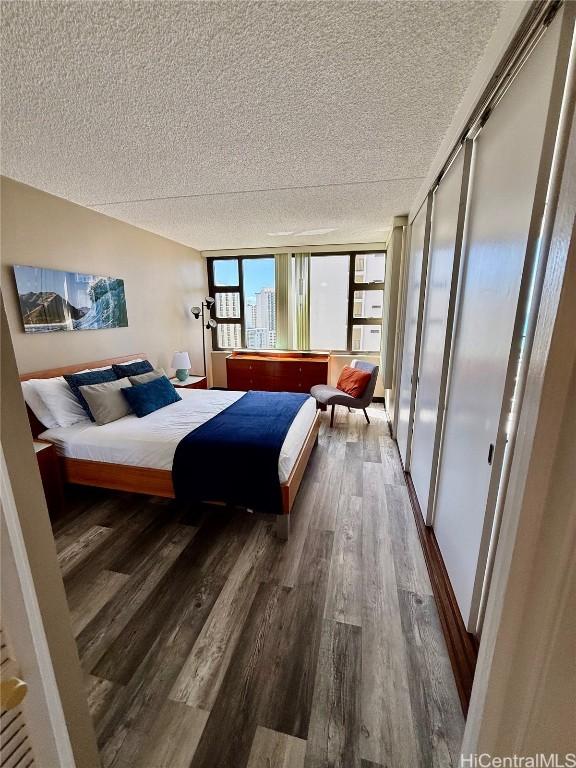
{"x":443,"y":268}
{"x":414,"y":303}
{"x":502,"y":213}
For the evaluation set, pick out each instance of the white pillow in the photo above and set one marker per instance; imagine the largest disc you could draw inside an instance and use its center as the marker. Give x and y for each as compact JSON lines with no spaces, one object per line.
{"x":36,"y":404}
{"x":41,"y":397}
{"x":60,"y":401}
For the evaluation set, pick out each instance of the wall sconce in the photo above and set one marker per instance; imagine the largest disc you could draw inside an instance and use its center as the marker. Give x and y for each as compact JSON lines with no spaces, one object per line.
{"x":207,"y":324}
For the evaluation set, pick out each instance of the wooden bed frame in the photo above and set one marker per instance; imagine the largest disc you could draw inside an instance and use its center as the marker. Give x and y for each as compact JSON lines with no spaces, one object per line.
{"x":157,"y":482}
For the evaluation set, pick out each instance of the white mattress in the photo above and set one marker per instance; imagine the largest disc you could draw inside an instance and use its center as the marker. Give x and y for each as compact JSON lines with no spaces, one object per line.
{"x":151,"y":441}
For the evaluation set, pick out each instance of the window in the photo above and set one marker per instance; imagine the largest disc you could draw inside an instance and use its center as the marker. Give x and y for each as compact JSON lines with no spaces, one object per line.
{"x":229,"y":335}
{"x":227,"y":304}
{"x":226,"y":289}
{"x":368,"y":303}
{"x":369,"y":268}
{"x":226,"y":272}
{"x":259,"y":303}
{"x":329,"y":278}
{"x":366,"y":338}
{"x":365,"y":309}
{"x":343,"y":294}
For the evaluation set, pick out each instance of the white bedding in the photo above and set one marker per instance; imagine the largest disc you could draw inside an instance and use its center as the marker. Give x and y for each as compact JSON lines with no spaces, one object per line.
{"x":151,"y":441}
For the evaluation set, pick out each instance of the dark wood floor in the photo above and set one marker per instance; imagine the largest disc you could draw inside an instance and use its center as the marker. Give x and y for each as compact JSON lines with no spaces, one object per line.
{"x":208,"y":643}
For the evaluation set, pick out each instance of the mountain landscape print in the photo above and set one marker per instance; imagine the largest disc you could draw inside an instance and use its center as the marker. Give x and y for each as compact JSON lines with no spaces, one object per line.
{"x":54,"y":300}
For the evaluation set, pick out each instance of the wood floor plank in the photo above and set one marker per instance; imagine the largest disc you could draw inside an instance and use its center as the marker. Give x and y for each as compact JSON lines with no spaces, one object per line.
{"x":328,"y":495}
{"x":97,"y":636}
{"x":230,"y":730}
{"x":99,"y":694}
{"x":201,"y":676}
{"x":277,"y":652}
{"x":190,"y":579}
{"x":344,"y":600}
{"x":90,"y":509}
{"x":80,"y":549}
{"x":393,"y":472}
{"x":387,"y":722}
{"x":290,"y":552}
{"x":133,"y":713}
{"x":296,"y":640}
{"x":371,"y":440}
{"x":90,"y":596}
{"x":271,"y":749}
{"x":334,"y":733}
{"x":435,"y":703}
{"x":173,"y":738}
{"x":135,"y":536}
{"x":411,"y":571}
{"x":352,"y":475}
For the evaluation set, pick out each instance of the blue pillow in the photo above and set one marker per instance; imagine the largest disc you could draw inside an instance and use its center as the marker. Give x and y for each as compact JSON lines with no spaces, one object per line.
{"x":77,"y":380}
{"x":132,"y":369}
{"x":150,"y":397}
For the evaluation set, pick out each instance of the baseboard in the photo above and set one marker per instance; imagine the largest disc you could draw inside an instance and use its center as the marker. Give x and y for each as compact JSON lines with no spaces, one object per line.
{"x":378,"y":400}
{"x":462,"y":646}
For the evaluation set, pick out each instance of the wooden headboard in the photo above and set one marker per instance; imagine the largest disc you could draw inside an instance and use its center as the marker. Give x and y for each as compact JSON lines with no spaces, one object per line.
{"x":36,"y":426}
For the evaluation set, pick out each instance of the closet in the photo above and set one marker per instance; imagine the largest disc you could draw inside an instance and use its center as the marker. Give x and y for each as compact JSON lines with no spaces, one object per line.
{"x":474,"y":249}
{"x":443,"y":271}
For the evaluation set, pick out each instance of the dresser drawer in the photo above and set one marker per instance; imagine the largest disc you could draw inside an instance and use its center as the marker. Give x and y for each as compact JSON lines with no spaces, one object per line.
{"x":276,"y":375}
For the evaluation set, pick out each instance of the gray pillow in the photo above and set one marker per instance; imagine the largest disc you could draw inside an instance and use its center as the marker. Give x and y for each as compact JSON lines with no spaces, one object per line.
{"x":144,"y":378}
{"x":106,"y":401}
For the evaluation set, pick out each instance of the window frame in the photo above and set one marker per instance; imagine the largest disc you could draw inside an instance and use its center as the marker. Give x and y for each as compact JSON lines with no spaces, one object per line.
{"x":352,"y":287}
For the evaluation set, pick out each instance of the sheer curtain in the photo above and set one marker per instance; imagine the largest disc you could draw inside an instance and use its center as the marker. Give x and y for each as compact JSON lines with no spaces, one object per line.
{"x":292,"y":274}
{"x":302,"y":300}
{"x":284,"y":301}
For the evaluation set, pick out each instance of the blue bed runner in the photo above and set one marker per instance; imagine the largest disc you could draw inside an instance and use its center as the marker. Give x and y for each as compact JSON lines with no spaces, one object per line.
{"x":233,"y":457}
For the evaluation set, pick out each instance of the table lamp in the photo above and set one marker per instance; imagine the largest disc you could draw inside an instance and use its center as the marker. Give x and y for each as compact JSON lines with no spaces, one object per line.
{"x":181,"y":361}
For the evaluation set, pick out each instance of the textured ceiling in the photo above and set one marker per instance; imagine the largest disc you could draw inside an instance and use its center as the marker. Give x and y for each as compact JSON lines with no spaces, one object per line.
{"x":218,"y":123}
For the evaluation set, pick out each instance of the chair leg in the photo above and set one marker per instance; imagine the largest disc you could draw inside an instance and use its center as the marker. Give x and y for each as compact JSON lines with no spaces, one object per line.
{"x":332,"y":416}
{"x":349,"y":409}
{"x":365,"y":414}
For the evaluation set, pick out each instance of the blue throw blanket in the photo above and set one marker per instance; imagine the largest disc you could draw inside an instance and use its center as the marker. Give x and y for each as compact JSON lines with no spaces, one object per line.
{"x":233,"y":457}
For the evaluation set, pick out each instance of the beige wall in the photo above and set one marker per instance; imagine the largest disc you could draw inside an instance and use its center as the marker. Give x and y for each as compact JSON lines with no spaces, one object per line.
{"x":162,"y":280}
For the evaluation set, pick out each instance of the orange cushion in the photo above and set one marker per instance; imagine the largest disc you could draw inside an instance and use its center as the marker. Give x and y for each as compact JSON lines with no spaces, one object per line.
{"x":352,"y":381}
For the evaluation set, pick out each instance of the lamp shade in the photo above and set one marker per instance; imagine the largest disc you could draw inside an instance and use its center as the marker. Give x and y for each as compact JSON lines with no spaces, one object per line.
{"x":181,"y":360}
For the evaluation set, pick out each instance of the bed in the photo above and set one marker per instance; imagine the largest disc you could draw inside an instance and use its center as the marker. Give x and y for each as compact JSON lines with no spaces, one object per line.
{"x":136,"y":455}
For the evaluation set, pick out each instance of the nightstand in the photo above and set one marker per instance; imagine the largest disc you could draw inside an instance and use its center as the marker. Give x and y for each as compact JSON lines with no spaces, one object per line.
{"x":51,"y":474}
{"x":192,"y":382}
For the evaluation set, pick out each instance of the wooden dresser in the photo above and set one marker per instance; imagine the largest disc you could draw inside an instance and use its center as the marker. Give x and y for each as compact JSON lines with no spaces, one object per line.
{"x":276,"y":371}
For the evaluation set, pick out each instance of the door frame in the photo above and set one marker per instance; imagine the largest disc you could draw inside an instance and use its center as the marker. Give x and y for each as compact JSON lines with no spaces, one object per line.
{"x":21,"y":617}
{"x":30,"y":518}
